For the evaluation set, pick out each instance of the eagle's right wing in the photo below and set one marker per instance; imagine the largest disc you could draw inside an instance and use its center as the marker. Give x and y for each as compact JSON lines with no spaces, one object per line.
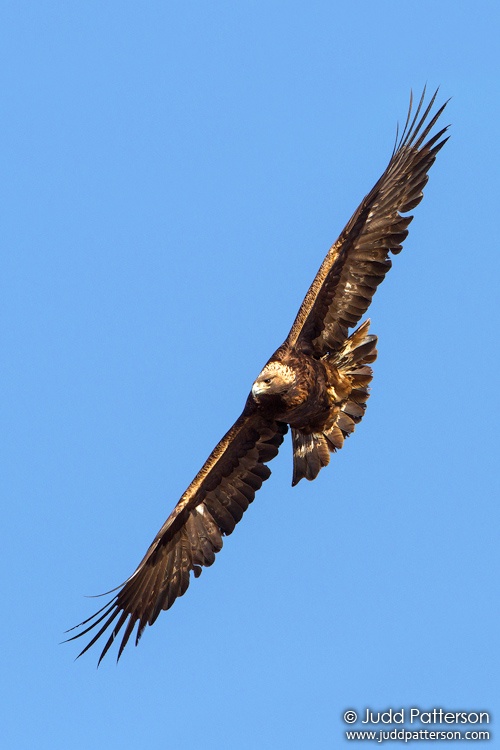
{"x":358,"y":261}
{"x":210,"y":508}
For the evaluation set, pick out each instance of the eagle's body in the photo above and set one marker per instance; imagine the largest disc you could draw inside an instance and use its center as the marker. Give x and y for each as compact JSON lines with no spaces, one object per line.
{"x":316,"y":383}
{"x":320,"y":399}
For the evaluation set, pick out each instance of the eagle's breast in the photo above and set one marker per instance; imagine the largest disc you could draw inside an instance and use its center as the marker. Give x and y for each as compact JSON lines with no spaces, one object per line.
{"x":294,"y":389}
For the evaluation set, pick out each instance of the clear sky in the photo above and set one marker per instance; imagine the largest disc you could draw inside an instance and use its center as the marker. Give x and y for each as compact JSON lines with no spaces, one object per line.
{"x":173,"y":174}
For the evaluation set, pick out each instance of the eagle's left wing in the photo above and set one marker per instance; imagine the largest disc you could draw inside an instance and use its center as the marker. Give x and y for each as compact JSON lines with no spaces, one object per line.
{"x":358,"y":261}
{"x":210,"y":508}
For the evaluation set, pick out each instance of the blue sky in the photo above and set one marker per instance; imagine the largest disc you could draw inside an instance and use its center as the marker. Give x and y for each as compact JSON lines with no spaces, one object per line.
{"x":173,"y":175}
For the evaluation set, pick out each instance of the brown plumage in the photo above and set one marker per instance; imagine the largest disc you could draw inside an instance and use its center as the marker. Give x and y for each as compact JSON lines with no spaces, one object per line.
{"x":316,"y":383}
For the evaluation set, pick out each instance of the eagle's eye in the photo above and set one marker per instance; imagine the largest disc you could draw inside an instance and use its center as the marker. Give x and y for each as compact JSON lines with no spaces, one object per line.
{"x":267,"y":380}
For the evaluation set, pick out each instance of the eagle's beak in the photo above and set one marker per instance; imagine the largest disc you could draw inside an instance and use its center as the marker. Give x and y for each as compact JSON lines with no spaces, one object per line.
{"x":257,"y":389}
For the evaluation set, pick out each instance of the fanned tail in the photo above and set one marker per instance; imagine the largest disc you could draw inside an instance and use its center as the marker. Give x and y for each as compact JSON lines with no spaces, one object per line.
{"x":310,"y":454}
{"x":312,"y":451}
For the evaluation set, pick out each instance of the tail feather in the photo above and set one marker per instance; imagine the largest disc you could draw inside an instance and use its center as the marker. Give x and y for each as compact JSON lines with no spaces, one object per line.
{"x":359,"y":348}
{"x":312,"y":451}
{"x":353,"y":360}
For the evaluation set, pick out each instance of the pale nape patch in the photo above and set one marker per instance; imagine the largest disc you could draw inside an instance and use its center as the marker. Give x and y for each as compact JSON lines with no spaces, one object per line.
{"x":285,"y":372}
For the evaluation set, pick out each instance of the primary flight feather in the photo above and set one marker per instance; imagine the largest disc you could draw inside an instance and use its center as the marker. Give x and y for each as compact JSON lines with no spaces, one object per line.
{"x":316,"y":383}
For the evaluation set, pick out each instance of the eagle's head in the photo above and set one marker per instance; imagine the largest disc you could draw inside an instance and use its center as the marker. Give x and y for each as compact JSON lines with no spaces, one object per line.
{"x":275,"y":380}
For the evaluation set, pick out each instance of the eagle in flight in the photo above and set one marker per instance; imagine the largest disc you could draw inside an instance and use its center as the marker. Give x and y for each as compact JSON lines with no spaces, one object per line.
{"x":316,"y":383}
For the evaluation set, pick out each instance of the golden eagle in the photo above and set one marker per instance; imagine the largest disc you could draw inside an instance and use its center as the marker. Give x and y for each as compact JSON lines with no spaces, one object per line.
{"x":316,"y":383}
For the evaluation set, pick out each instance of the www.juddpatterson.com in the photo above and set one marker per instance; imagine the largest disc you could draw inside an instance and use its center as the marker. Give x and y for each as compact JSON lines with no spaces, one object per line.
{"x":417,"y":718}
{"x":408,"y":735}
